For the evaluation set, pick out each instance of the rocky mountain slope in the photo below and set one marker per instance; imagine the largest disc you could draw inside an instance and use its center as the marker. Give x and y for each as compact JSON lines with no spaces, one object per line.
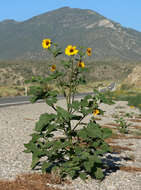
{"x":109,"y":39}
{"x":134,"y":78}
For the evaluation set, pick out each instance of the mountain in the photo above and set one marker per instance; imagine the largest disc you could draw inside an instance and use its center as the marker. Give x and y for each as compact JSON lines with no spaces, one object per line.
{"x":109,"y":40}
{"x":134,"y":78}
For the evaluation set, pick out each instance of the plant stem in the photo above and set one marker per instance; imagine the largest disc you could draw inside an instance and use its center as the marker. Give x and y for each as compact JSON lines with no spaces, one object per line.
{"x":78,"y":122}
{"x":70,"y":86}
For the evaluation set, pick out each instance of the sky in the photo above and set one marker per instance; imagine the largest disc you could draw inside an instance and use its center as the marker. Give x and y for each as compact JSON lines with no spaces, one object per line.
{"x":125,"y":12}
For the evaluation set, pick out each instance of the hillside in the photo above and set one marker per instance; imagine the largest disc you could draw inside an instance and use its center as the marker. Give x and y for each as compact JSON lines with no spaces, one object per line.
{"x":110,"y":41}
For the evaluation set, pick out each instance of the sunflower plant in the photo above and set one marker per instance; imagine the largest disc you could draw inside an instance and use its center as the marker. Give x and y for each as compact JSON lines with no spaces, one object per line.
{"x":78,"y":150}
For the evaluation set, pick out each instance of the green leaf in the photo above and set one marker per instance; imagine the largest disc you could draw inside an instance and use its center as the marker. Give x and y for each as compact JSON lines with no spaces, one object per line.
{"x":106,"y":133}
{"x":76,"y":105}
{"x":93,"y":131}
{"x":96,"y":159}
{"x":84,"y":102}
{"x":87,"y":166}
{"x":57,"y":145}
{"x":50,"y":101}
{"x":51,"y":128}
{"x":104,"y":147}
{"x":82,"y":134}
{"x":35,"y":137}
{"x":83,"y":176}
{"x":84,"y":155}
{"x":46,"y":166}
{"x":99,"y":173}
{"x":72,"y":173}
{"x":53,"y":93}
{"x":33,"y":99}
{"x":96,"y":144}
{"x":31,"y":146}
{"x":57,"y":52}
{"x":44,"y":120}
{"x":66,"y":64}
{"x":27,"y":151}
{"x":88,"y":97}
{"x":35,"y":161}
{"x":63,"y":113}
{"x":78,"y":150}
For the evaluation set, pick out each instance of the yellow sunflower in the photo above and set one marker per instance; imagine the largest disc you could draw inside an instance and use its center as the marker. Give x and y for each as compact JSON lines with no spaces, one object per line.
{"x":53,"y":68}
{"x":96,"y":112}
{"x":46,"y":43}
{"x":89,"y":51}
{"x":71,"y":50}
{"x":132,"y":106}
{"x":81,"y":64}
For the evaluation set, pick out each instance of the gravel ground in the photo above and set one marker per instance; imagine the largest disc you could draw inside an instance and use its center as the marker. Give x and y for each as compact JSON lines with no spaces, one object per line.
{"x":17,"y":123}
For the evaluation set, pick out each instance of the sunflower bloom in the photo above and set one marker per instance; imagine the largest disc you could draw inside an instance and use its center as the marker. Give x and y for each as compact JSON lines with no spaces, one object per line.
{"x":132,"y":106}
{"x":53,"y":68}
{"x":89,"y":51}
{"x":46,"y":43}
{"x":81,"y":64}
{"x":96,"y":112}
{"x":71,"y":50}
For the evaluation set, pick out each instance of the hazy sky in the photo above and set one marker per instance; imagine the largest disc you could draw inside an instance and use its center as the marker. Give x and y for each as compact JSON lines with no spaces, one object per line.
{"x":126,"y":12}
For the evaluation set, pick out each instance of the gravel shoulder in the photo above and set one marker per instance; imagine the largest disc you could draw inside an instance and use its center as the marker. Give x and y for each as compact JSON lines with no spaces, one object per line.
{"x":18,"y":122}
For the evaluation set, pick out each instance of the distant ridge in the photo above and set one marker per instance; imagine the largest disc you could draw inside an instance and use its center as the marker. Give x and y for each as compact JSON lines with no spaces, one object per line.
{"x":110,"y":41}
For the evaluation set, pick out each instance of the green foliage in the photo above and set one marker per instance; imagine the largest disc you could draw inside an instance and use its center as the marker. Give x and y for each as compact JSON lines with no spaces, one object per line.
{"x":79,"y":149}
{"x":123,"y":125}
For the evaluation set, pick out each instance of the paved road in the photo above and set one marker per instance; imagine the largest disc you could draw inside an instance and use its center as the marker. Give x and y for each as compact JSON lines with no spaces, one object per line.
{"x":19,"y":100}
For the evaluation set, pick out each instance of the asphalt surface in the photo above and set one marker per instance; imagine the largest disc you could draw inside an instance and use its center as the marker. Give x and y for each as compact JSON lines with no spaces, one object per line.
{"x":19,"y":100}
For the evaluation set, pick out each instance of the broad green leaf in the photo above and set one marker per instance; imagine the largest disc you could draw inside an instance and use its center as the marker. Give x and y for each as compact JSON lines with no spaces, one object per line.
{"x":63,"y":113}
{"x":106,"y":133}
{"x":99,"y":173}
{"x":44,"y":120}
{"x":94,"y":132}
{"x":51,"y":100}
{"x":82,"y":134}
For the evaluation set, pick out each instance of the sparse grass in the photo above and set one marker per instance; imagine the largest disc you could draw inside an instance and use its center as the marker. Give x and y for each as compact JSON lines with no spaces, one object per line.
{"x":10,"y":91}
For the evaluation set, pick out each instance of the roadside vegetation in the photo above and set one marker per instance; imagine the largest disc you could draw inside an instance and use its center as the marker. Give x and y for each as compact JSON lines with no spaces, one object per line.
{"x":100,"y":73}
